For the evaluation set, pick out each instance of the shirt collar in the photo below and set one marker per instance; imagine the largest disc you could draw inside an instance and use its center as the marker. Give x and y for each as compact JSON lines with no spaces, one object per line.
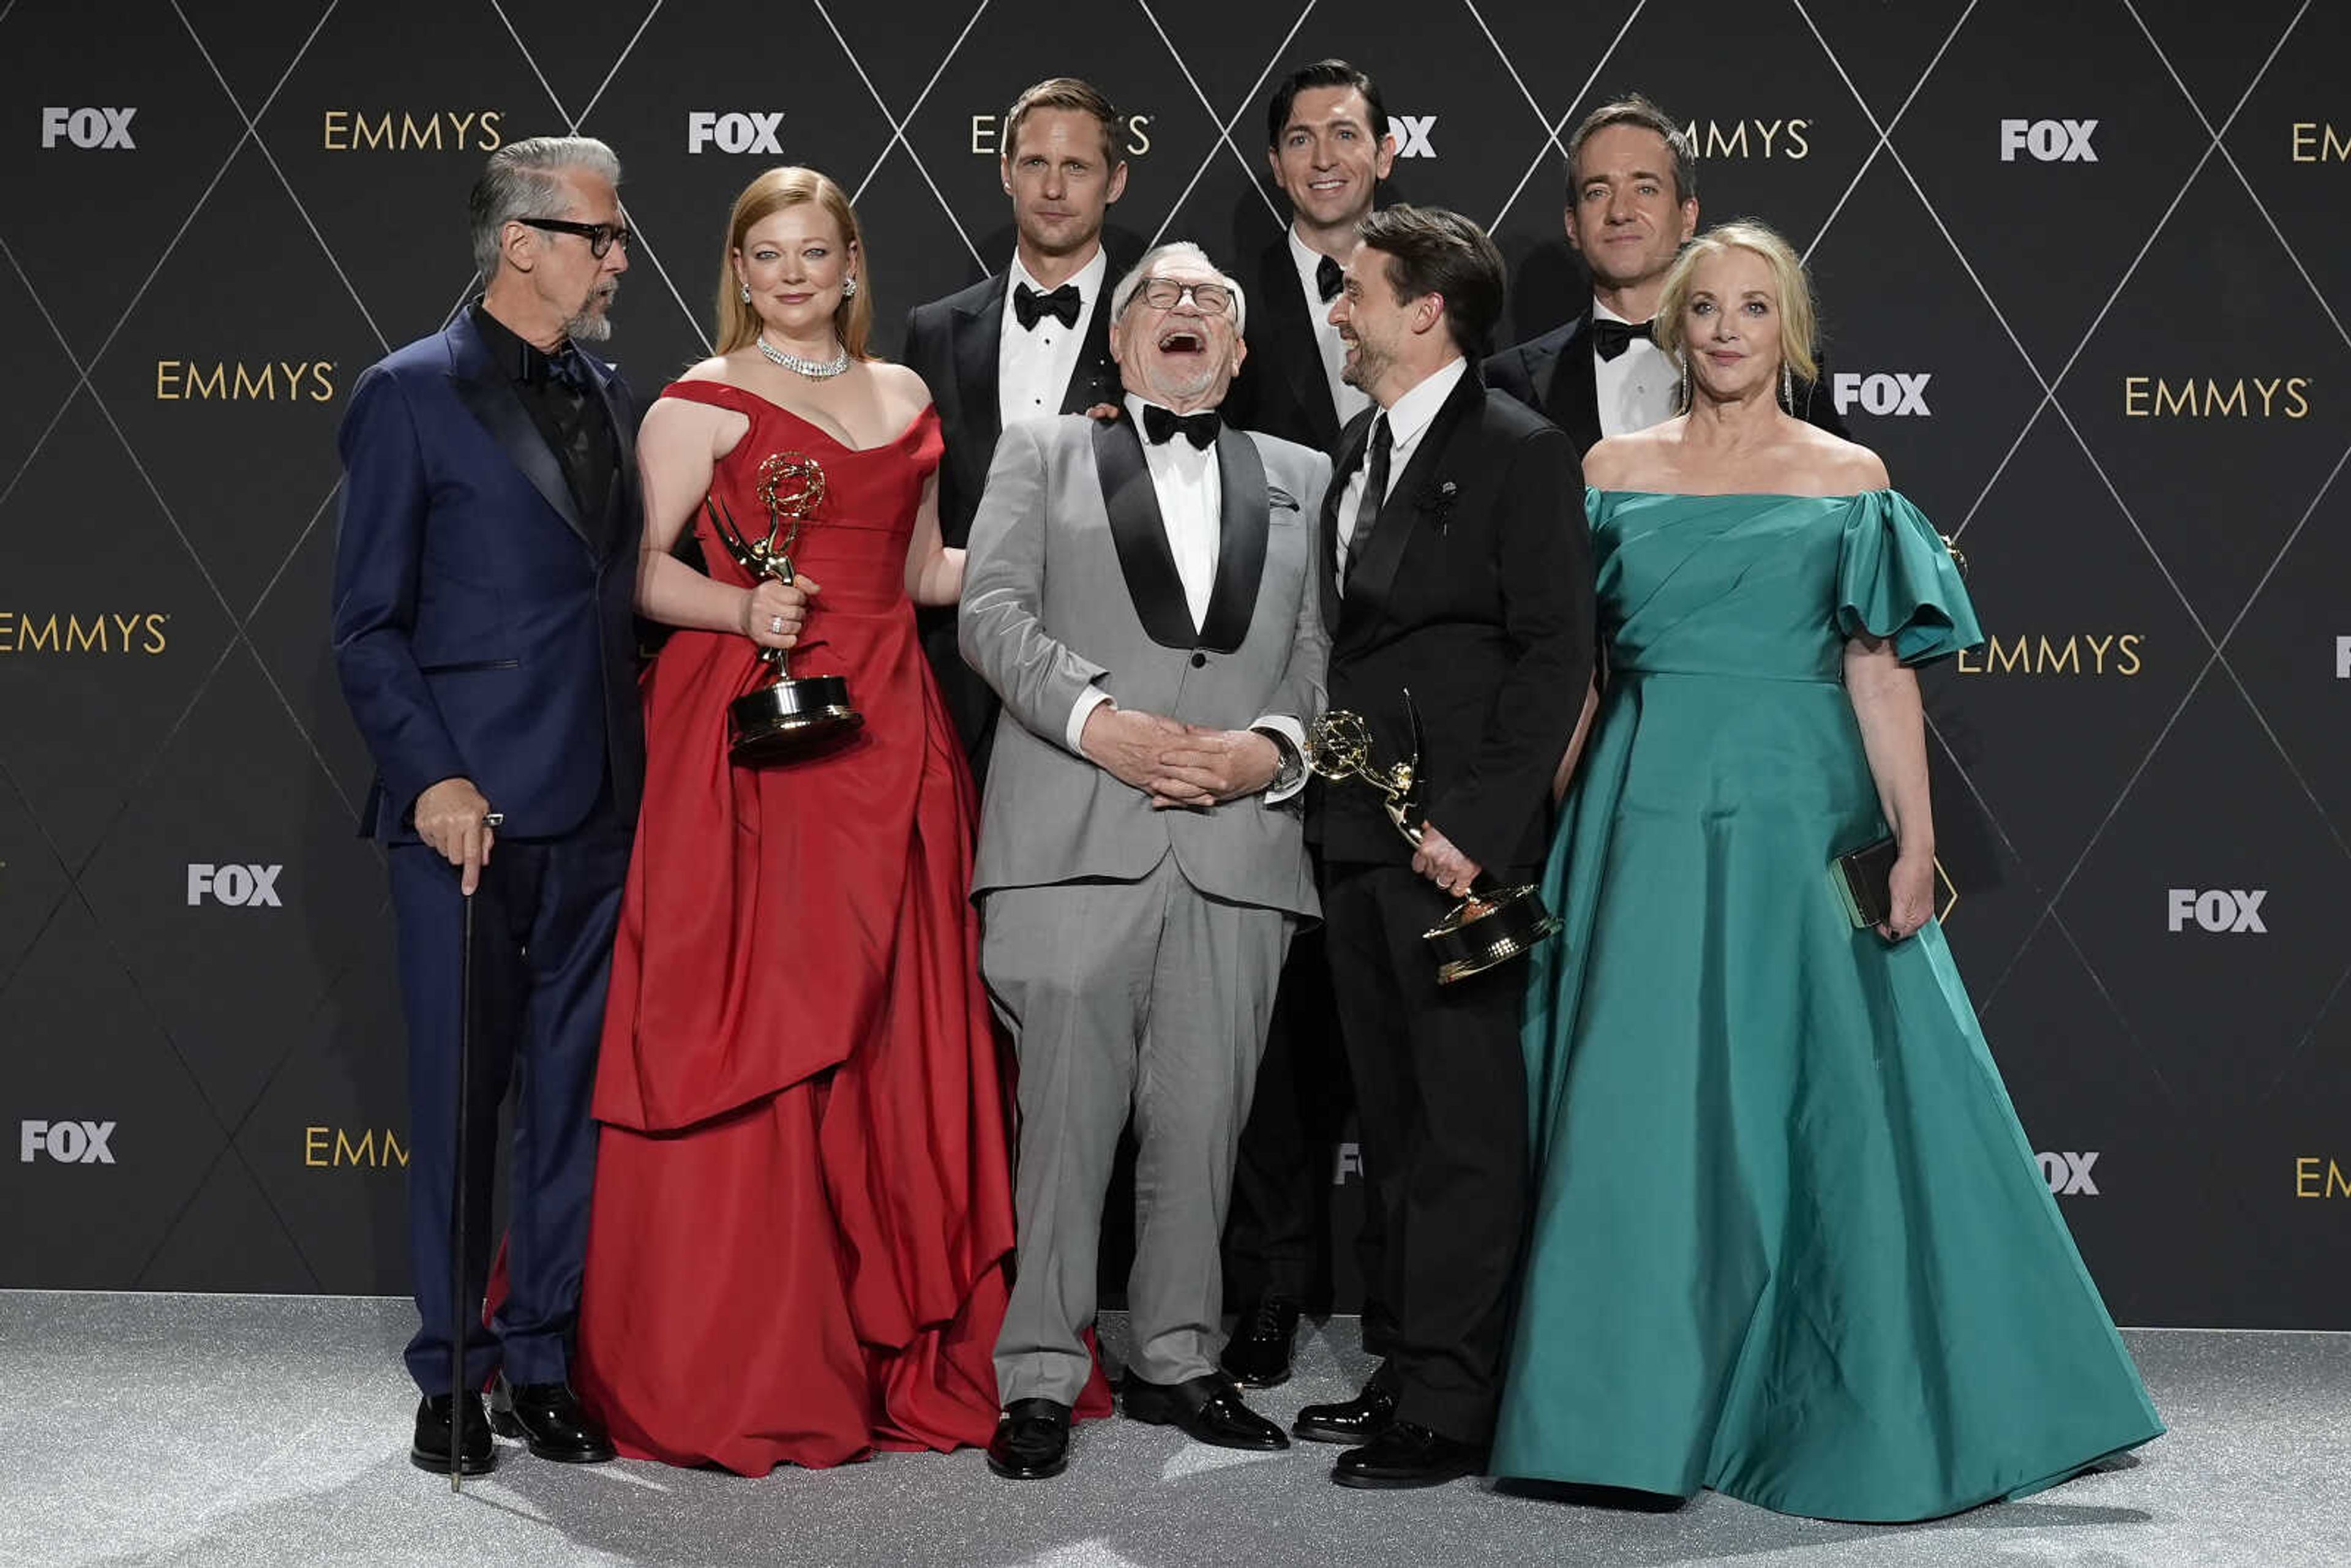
{"x":1137,"y":403}
{"x":1602,"y":313}
{"x":1412,"y":413}
{"x":522,"y":361}
{"x":1305,"y":258}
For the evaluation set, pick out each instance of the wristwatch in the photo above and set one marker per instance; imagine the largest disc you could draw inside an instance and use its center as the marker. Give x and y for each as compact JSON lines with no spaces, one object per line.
{"x":1293,"y":765}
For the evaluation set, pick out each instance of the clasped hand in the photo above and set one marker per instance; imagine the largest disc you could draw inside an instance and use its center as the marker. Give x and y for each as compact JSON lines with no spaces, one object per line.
{"x":1178,"y":764}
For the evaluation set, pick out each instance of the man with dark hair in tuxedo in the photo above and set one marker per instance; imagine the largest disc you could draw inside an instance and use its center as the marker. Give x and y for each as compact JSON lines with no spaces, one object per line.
{"x":1328,"y":146}
{"x":1456,"y":568}
{"x":1030,"y":342}
{"x":1631,"y":203}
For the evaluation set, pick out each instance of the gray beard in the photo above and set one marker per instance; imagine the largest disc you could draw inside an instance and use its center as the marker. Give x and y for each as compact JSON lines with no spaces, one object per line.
{"x":589,"y":325}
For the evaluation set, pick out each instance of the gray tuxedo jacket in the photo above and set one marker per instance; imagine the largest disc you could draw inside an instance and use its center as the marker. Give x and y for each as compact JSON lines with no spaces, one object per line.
{"x":1069,"y":583}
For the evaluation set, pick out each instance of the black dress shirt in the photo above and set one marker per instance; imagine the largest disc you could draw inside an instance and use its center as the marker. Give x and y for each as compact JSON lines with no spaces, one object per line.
{"x":560,"y":393}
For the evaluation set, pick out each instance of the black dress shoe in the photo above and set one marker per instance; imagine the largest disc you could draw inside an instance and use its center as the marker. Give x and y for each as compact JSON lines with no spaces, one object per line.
{"x":1356,"y":1420}
{"x":1258,"y":1356}
{"x":1408,"y":1455}
{"x":1031,"y":1441}
{"x":476,"y":1456}
{"x":548,"y":1417}
{"x":1208,"y":1409}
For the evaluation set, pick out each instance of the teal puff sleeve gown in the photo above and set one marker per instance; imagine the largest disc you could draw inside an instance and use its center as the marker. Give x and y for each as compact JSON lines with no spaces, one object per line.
{"x":1790,"y":1242}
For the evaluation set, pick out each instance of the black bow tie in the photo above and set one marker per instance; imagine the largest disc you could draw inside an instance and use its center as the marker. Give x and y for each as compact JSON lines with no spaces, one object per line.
{"x":1329,"y":279}
{"x":1029,"y":304}
{"x":564,"y":365}
{"x":1161,"y":425}
{"x":1609,"y":339}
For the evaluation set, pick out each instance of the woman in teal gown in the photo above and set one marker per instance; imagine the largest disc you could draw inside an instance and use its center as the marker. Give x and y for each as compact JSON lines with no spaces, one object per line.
{"x":1790,"y":1242}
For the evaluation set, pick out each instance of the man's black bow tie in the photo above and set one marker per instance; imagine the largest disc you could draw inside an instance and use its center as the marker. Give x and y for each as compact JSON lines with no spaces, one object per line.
{"x":1161,"y":425}
{"x":1329,"y":279}
{"x":1609,"y":339}
{"x":564,"y":365}
{"x":1029,"y":305}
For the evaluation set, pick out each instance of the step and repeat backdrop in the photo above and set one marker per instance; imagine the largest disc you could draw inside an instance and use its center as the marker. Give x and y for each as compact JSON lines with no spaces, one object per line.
{"x":2084,"y":273}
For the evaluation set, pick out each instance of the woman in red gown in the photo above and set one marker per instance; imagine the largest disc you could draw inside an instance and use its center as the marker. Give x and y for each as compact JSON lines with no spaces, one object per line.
{"x":802,"y":1216}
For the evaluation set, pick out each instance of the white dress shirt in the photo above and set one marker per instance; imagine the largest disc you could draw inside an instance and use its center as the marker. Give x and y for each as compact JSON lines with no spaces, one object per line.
{"x":1407,"y":423}
{"x":1637,"y":387}
{"x":1190,"y":487}
{"x":1033,"y":364}
{"x":1348,"y":400}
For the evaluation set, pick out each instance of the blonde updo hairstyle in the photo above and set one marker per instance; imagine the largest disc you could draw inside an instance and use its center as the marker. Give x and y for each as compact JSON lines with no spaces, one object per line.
{"x":1798,"y":322}
{"x":771,"y":193}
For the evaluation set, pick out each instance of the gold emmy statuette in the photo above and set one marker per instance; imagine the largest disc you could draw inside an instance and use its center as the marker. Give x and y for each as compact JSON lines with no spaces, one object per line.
{"x":1485,"y":928}
{"x":788,"y":717}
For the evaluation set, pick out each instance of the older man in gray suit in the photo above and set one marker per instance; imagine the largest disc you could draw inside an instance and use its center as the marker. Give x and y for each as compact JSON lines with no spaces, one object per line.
{"x":1140,"y":592}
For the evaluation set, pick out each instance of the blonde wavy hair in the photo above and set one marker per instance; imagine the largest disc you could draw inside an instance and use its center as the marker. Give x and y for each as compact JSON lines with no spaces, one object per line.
{"x":1799,"y":322}
{"x":764,"y":197}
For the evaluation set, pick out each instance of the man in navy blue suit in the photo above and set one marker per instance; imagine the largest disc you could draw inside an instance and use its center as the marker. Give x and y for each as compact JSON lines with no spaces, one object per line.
{"x":483,"y":630}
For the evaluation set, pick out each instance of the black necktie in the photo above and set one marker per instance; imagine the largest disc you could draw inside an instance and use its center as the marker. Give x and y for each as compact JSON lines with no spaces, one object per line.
{"x":1161,"y":426}
{"x":1375,"y":492}
{"x":1029,"y":305}
{"x":1329,"y":279}
{"x":1609,"y":339}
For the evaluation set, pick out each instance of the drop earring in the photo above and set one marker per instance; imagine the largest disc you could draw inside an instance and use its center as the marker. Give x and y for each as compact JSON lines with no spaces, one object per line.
{"x":746,"y":291}
{"x":1787,"y":389}
{"x":1686,"y":389}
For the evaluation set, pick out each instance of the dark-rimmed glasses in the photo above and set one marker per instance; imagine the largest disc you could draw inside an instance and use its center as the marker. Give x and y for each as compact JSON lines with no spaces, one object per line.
{"x":600,"y":236}
{"x":1166,"y":294}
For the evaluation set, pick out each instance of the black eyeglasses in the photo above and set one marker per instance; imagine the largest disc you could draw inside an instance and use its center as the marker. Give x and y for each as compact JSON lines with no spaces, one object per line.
{"x":1165,"y":293}
{"x":600,"y":236}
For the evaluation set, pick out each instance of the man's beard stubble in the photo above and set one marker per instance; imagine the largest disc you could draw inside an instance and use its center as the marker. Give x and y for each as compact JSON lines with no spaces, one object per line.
{"x":589,"y":324}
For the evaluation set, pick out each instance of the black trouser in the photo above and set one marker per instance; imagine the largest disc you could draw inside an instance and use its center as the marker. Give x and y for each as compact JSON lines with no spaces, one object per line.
{"x":1440,"y":1087}
{"x":1278,"y":1238}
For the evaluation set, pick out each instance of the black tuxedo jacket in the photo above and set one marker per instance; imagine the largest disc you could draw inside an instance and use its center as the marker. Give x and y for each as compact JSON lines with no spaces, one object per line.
{"x":1538,"y":374}
{"x":1282,"y":390}
{"x":1475,"y":594}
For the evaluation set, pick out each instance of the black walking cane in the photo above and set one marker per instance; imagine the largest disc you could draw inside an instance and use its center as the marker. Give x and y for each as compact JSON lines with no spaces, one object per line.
{"x":458,"y":1325}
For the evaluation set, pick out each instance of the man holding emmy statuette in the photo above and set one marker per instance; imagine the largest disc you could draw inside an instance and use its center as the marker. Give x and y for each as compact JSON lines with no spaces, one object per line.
{"x":1455,"y":578}
{"x":482,"y":634}
{"x":1140,"y":593}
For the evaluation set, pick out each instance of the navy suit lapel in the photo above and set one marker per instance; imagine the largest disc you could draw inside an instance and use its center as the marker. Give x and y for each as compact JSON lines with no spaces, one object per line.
{"x":489,"y":396}
{"x":1371,"y":573}
{"x":1572,"y":399}
{"x":1140,"y":535}
{"x":1244,"y":514}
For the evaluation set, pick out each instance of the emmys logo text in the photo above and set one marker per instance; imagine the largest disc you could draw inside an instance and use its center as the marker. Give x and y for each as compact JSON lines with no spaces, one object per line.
{"x":92,"y":130}
{"x":67,"y":1142}
{"x":2225,"y":910}
{"x":327,"y":1148}
{"x":2316,"y":141}
{"x":1749,"y":139}
{"x":987,"y":135}
{"x":2082,"y":653}
{"x":747,"y":132}
{"x":237,"y":887}
{"x":2068,"y":1175}
{"x":1897,"y":394}
{"x":2049,"y":140}
{"x":2315,"y":1176}
{"x":28,"y":632}
{"x":2246,"y":397}
{"x":241,"y":380}
{"x":443,"y":130}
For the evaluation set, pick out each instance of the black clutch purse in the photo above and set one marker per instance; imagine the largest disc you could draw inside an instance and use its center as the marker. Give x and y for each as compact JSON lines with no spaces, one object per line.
{"x":1863,"y":879}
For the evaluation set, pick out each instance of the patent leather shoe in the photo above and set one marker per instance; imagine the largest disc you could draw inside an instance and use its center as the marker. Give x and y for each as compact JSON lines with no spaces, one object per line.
{"x":477,"y":1455}
{"x":1258,"y":1356}
{"x":1207,"y":1409}
{"x":1031,"y":1441}
{"x":1356,"y":1420}
{"x":548,"y":1417}
{"x":1408,"y":1455}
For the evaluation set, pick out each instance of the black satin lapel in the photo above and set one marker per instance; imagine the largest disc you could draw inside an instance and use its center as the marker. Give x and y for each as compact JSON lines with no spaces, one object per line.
{"x":1372,"y":574}
{"x":1294,"y":344}
{"x":625,"y":472}
{"x":1344,"y":461}
{"x":1571,"y":400}
{"x":1095,"y":378}
{"x":1242,"y":520}
{"x":1141,"y":536}
{"x":976,"y":339}
{"x":501,"y":413}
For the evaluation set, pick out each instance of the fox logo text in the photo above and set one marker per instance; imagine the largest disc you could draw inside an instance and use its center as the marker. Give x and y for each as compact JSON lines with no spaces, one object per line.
{"x":238,"y":886}
{"x":2343,"y":658}
{"x":92,"y":130}
{"x":2050,"y":141}
{"x":68,"y":1142}
{"x":1900,"y":395}
{"x":2068,"y":1175}
{"x":753,"y":132}
{"x":1413,"y":132}
{"x":2226,"y":910}
{"x":1348,"y":1161}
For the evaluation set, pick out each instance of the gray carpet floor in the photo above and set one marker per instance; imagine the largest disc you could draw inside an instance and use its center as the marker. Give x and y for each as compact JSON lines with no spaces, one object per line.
{"x":255,"y":1431}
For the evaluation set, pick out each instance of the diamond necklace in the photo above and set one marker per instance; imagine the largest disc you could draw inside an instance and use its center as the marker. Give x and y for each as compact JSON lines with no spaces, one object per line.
{"x":815,"y":370}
